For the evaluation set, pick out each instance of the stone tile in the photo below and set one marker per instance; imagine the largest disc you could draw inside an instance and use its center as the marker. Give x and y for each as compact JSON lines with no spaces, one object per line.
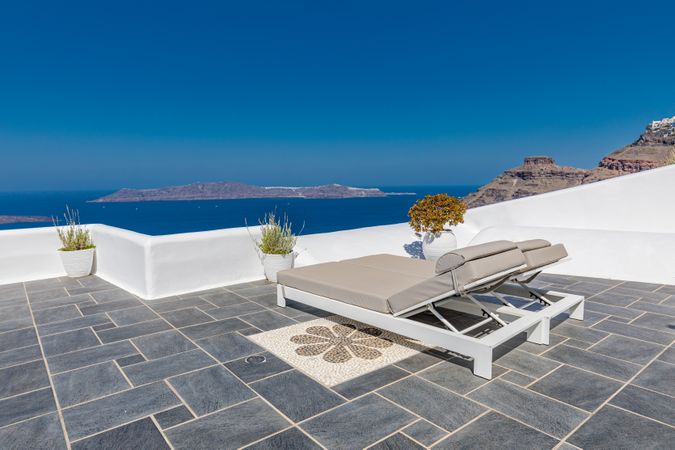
{"x":656,"y":322}
{"x":492,"y":427}
{"x":13,"y":290}
{"x":578,"y":344}
{"x":396,"y":442}
{"x":210,"y":389}
{"x":370,"y":381}
{"x":186,"y":317}
{"x":249,"y":331}
{"x":633,"y":350}
{"x":525,"y":363}
{"x":159,"y":345}
{"x":235,"y":310}
{"x":611,"y":310}
{"x":517,"y":378}
{"x":47,"y":295}
{"x":113,"y":410}
{"x":631,"y":431}
{"x":654,"y":308}
{"x":14,"y":312}
{"x":542,"y":413}
{"x":619,"y":319}
{"x":659,"y":377}
{"x":576,"y":387}
{"x":40,"y":433}
{"x":6,"y":301}
{"x":255,"y":291}
{"x":63,"y":301}
{"x":424,"y":432}
{"x":646,"y":403}
{"x":113,"y":305}
{"x":363,"y":422}
{"x":131,"y":316}
{"x":456,"y":375}
{"x":222,"y":299}
{"x":670,"y":290}
{"x":103,"y":326}
{"x":296,"y":395}
{"x":268,"y":320}
{"x":94,"y":281}
{"x":69,"y":342}
{"x":72,"y":324}
{"x":43,"y":285}
{"x":435,"y":404}
{"x":87,"y":290}
{"x":614,"y":299}
{"x":129,"y":360}
{"x":56,"y":314}
{"x":17,"y":338}
{"x":19,"y":356}
{"x":132,"y":331}
{"x":643,"y":294}
{"x":23,"y":378}
{"x":231,"y":428}
{"x":650,"y":287}
{"x":168,"y":366}
{"x":248,"y":284}
{"x":228,"y":347}
{"x":422,"y":360}
{"x":89,"y":356}
{"x":88,"y":383}
{"x":111,"y":295}
{"x":179,"y":304}
{"x":593,"y":362}
{"x":644,"y":334}
{"x":173,"y":416}
{"x":25,"y":406}
{"x":140,"y":434}
{"x":214,"y":328}
{"x":15,"y":324}
{"x":291,"y":439}
{"x":249,"y":369}
{"x":589,"y":335}
{"x":667,"y":356}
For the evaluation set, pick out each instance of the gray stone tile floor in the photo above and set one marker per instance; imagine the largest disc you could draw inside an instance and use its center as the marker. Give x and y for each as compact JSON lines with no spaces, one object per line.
{"x":84,"y":364}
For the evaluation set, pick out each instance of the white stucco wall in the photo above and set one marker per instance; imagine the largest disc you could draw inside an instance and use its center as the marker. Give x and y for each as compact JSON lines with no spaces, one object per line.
{"x":622,"y":228}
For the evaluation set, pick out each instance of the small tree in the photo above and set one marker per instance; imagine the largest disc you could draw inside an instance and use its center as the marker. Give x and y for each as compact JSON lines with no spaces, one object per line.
{"x":434,"y":212}
{"x":276,"y":236}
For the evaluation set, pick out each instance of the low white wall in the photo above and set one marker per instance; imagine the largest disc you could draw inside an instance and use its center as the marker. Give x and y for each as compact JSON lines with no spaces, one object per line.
{"x":622,"y":228}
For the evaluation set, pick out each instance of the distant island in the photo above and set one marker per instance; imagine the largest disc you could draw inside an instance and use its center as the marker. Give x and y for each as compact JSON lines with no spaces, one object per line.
{"x":229,"y":190}
{"x":23,"y":219}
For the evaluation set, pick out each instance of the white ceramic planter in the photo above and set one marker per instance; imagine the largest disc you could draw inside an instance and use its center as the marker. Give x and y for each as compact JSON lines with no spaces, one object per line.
{"x":77,"y":263}
{"x":436,"y":245}
{"x":275,"y":263}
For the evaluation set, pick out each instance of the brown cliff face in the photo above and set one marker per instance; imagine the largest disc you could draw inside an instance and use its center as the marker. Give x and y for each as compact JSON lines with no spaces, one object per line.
{"x":654,"y":148}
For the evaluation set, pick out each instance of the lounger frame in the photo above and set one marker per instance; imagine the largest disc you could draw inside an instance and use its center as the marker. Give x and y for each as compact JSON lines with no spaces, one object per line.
{"x":535,"y":323}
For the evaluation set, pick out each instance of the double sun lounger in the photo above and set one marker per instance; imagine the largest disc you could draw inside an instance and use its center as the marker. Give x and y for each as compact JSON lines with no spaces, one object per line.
{"x":487,"y":280}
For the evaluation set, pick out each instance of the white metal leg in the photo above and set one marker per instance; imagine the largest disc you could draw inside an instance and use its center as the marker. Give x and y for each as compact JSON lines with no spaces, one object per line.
{"x":577,"y":312}
{"x":281,"y":299}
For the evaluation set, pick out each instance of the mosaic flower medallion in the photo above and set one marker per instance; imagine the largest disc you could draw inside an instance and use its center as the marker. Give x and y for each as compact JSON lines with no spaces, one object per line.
{"x":335,"y":349}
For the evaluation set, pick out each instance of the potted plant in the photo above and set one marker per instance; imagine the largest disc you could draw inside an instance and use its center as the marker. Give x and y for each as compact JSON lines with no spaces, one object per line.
{"x":276,"y":245}
{"x":434,"y":215}
{"x":77,"y":247}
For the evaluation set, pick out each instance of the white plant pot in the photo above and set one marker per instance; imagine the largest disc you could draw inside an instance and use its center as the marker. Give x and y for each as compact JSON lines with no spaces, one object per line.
{"x":436,"y":245}
{"x":77,"y":263}
{"x":275,"y":263}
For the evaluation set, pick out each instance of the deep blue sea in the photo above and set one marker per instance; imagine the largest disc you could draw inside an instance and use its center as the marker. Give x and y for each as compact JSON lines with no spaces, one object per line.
{"x":157,"y":218}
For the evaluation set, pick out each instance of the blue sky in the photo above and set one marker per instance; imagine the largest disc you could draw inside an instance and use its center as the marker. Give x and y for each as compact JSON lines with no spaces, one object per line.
{"x":140,"y":94}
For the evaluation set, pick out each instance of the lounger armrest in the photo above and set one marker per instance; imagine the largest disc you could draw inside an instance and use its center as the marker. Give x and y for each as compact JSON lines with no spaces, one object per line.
{"x":456,"y":258}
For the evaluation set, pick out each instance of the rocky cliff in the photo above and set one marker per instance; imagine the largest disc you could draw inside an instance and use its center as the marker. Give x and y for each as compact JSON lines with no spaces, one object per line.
{"x":654,"y":148}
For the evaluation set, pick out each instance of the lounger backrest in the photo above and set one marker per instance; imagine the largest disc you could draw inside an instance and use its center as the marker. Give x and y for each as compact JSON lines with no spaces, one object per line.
{"x":532,"y":244}
{"x":456,"y":258}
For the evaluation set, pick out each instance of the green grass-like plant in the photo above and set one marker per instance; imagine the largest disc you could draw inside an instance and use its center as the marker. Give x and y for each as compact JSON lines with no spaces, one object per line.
{"x":73,"y":235}
{"x":276,"y":235}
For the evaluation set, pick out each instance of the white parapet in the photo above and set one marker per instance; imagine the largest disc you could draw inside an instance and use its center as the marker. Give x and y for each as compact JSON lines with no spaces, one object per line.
{"x":621,"y":228}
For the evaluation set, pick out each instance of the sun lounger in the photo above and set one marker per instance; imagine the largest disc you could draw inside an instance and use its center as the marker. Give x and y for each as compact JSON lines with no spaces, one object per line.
{"x":385,"y":291}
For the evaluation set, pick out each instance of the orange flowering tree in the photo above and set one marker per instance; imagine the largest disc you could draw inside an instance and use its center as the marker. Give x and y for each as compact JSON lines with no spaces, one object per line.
{"x":434,"y":212}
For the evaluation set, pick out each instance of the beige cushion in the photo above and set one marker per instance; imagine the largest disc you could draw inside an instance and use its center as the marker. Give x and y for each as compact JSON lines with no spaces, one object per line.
{"x":456,"y":258}
{"x":542,"y":257}
{"x":532,"y":244}
{"x":389,"y":283}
